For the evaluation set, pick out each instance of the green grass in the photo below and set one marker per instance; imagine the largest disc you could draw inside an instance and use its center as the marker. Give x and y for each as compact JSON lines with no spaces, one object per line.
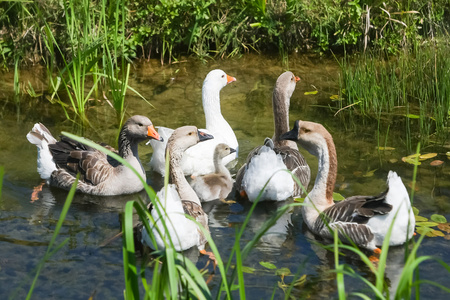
{"x":171,"y":29}
{"x":413,"y":86}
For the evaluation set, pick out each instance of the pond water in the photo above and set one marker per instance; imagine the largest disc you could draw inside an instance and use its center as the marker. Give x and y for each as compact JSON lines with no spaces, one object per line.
{"x":82,"y":268}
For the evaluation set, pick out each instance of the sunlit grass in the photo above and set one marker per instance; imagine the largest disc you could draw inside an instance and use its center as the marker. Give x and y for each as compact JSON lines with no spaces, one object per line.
{"x":413,"y":86}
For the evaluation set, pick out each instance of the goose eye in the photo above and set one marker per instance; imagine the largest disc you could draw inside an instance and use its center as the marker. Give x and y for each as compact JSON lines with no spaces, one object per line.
{"x":190,"y":133}
{"x":140,"y":124}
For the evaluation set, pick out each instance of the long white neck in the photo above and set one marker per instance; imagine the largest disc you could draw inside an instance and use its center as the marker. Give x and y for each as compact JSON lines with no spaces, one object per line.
{"x":321,"y":196}
{"x":177,"y":177}
{"x":215,"y":122}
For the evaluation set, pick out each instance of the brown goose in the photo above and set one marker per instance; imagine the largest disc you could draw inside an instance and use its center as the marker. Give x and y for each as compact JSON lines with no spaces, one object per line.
{"x":178,"y":199}
{"x":276,"y":154}
{"x":363,"y":219}
{"x":60,"y":161}
{"x":219,"y":184}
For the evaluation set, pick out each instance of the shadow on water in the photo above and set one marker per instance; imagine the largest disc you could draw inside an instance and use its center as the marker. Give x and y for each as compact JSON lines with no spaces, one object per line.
{"x":82,"y":267}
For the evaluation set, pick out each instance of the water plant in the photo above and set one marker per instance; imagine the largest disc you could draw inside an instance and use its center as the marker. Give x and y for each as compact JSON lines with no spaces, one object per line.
{"x":413,"y":87}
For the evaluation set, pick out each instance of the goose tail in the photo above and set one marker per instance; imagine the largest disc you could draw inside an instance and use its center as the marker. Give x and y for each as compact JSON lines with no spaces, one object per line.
{"x":264,"y":166}
{"x":398,"y":197}
{"x":41,"y":137}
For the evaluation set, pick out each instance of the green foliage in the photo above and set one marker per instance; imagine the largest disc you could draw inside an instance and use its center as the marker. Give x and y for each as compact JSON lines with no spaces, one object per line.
{"x":414,"y":85}
{"x":169,"y":28}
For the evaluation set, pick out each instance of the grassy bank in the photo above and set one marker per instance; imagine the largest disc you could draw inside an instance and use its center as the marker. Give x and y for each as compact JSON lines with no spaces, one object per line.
{"x":168,"y":29}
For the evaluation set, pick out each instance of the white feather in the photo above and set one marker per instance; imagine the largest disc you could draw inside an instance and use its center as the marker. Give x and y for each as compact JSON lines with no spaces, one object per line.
{"x":260,"y":170}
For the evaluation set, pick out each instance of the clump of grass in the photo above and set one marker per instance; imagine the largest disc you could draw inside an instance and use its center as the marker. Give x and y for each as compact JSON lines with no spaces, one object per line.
{"x":413,"y":86}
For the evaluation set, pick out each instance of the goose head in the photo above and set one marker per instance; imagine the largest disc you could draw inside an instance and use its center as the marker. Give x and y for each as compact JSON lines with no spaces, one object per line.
{"x":187,"y":136}
{"x":285,"y":84}
{"x":311,"y":136}
{"x":222,"y":150}
{"x":217,"y":79}
{"x":140,"y":128}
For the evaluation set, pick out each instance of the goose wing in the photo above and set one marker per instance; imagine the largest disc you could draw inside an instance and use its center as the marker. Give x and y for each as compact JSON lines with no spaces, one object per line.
{"x":350,"y":217}
{"x":74,"y":157}
{"x":196,"y":211}
{"x":296,"y":163}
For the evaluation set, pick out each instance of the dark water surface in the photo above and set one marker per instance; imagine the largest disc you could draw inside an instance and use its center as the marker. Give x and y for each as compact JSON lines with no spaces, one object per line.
{"x":82,"y":268}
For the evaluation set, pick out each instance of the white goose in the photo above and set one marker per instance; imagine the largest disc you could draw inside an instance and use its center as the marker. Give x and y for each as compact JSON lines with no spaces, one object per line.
{"x":179,"y":200}
{"x":60,"y":161}
{"x":219,"y":184}
{"x":275,"y":154}
{"x":198,"y":159}
{"x":363,"y":219}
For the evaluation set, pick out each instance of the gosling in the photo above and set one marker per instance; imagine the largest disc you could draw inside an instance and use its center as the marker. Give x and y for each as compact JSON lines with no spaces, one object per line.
{"x":216,"y":185}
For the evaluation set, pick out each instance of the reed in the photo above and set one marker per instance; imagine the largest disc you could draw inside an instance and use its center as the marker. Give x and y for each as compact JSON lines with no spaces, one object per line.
{"x":413,"y":86}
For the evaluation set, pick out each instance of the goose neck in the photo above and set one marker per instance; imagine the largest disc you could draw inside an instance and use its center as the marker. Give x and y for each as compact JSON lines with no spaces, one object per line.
{"x":219,"y":166}
{"x":211,"y":106}
{"x":322,"y":192}
{"x":280,"y":105}
{"x":178,"y":179}
{"x":127,"y":147}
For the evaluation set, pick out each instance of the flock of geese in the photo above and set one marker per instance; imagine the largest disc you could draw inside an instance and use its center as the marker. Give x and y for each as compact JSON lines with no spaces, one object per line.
{"x":204,"y":154}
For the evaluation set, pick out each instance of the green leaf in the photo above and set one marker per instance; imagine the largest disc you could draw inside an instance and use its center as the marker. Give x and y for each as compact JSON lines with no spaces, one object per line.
{"x":427,"y":156}
{"x":415,"y":211}
{"x":311,"y":93}
{"x":429,"y":232}
{"x":438,"y":218}
{"x":248,"y":270}
{"x":370,"y":173}
{"x":420,"y":219}
{"x":283,"y":272}
{"x":267,"y":265}
{"x":427,"y":224}
{"x":338,"y":197}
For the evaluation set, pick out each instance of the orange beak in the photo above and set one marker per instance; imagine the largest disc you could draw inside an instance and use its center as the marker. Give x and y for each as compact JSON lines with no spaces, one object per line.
{"x":230,"y":79}
{"x":297,"y":79}
{"x":152,"y":133}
